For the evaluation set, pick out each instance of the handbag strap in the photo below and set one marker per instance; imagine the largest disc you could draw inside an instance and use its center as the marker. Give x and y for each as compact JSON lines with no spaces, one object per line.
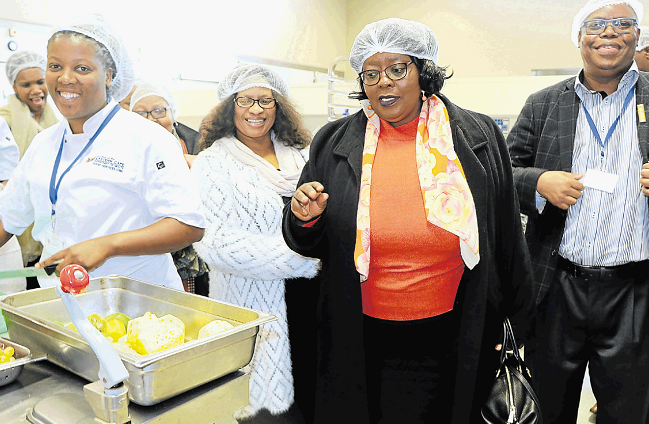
{"x":509,"y":341}
{"x":516,"y":373}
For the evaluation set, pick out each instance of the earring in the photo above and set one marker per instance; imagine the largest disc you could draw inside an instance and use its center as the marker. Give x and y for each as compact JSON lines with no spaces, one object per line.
{"x":369,"y":107}
{"x":423,"y":96}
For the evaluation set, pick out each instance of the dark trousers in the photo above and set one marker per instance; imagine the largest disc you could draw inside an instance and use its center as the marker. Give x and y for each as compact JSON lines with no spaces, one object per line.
{"x":32,"y":282}
{"x":411,"y":368}
{"x":602,"y":323}
{"x":301,"y":304}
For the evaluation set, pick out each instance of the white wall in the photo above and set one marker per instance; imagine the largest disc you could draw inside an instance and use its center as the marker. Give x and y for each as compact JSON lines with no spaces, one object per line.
{"x":491,"y":45}
{"x":167,"y":38}
{"x":201,"y":40}
{"x":495,"y":96}
{"x":485,"y":38}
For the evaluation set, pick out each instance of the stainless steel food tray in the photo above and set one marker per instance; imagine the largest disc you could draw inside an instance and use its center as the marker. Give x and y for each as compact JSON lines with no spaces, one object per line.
{"x":9,"y":371}
{"x":34,"y":319}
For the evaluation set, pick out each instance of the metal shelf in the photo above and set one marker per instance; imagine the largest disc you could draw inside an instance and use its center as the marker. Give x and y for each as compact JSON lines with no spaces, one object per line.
{"x":338,"y":89}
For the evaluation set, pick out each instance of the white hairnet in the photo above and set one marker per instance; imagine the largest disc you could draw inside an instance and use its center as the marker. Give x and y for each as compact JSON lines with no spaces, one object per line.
{"x":97,"y":28}
{"x":594,"y":5}
{"x":244,"y":77}
{"x":146,"y":89}
{"x":23,"y":60}
{"x":643,"y":41}
{"x":393,"y":35}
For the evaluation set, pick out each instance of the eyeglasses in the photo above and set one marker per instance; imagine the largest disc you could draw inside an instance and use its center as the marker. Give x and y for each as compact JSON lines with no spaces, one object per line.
{"x":247,"y":102}
{"x":620,"y":25}
{"x":156,"y":113}
{"x":394,"y":72}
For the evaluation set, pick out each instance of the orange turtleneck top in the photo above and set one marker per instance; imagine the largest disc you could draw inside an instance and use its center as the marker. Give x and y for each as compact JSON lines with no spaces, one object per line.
{"x":415,"y":266}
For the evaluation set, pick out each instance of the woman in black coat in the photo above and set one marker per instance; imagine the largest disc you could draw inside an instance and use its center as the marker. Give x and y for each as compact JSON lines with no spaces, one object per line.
{"x":438,"y":366}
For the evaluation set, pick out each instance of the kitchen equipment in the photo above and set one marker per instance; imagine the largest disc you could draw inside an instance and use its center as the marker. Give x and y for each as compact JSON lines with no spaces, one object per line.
{"x":29,"y":272}
{"x":9,"y":371}
{"x":45,"y":393}
{"x":108,"y":397}
{"x":34,"y":319}
{"x":75,"y":280}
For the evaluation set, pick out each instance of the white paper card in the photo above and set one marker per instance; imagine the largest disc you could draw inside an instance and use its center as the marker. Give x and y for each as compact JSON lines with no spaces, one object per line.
{"x":600,"y":180}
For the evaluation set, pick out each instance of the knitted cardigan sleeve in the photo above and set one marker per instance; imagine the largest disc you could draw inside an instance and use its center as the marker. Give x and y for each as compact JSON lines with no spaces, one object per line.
{"x":243,"y":235}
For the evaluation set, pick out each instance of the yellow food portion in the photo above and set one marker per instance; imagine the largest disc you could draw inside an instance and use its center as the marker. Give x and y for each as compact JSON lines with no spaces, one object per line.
{"x":114,"y":330}
{"x":123,"y":346}
{"x":120,"y":316}
{"x":7,"y":355}
{"x":150,"y":334}
{"x":98,"y":321}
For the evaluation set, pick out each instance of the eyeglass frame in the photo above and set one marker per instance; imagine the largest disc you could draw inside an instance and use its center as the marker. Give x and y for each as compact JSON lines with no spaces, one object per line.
{"x":146,"y":113}
{"x":361,"y":75}
{"x":613,"y":25}
{"x":255,"y":101}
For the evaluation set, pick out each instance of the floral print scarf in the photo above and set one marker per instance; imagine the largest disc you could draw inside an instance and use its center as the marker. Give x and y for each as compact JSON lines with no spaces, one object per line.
{"x":448,"y":202}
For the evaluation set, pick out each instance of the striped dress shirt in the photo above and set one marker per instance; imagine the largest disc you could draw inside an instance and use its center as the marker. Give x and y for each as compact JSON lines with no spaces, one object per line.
{"x":607,"y":229}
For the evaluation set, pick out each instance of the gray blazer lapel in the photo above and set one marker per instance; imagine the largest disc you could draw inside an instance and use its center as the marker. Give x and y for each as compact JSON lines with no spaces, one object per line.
{"x":642,"y":98}
{"x":568,"y":111}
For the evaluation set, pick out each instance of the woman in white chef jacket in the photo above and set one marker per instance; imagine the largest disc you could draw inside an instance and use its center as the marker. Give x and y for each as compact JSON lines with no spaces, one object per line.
{"x":10,"y":254}
{"x":105,"y":188}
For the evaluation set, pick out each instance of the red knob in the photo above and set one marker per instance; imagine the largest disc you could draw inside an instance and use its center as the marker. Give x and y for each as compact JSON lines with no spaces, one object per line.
{"x":74,"y":279}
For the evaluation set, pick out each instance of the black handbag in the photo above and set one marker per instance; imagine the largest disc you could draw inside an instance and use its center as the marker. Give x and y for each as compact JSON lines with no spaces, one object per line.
{"x":512,"y":399}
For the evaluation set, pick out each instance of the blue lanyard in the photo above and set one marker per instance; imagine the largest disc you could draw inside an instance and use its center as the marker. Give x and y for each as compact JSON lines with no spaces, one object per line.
{"x":54,"y":188}
{"x":593,"y":128}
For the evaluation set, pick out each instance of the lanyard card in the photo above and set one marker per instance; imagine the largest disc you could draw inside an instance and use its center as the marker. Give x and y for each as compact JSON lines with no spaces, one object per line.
{"x":600,"y":180}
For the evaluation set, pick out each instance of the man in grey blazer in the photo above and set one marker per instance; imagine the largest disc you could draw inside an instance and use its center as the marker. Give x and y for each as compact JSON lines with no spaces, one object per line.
{"x":578,"y":149}
{"x":642,"y":49}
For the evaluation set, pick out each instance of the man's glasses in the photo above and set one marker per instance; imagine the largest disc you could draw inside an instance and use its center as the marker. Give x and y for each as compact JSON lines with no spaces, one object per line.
{"x":394,"y":72}
{"x":247,"y":102}
{"x":620,"y":25}
{"x":156,"y":113}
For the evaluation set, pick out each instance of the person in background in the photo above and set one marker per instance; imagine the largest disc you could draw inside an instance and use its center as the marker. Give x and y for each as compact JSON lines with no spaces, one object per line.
{"x":10,"y":253}
{"x":154,"y":96}
{"x":255,"y":147}
{"x":106,"y":189}
{"x":578,"y":149}
{"x":9,"y":153}
{"x":125,"y":103}
{"x":425,"y":187}
{"x":27,"y":113}
{"x":156,"y":103}
{"x":642,"y":60}
{"x":189,"y":136}
{"x":642,"y":49}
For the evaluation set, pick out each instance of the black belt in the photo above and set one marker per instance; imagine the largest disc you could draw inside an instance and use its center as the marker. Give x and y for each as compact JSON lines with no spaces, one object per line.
{"x":629,"y":270}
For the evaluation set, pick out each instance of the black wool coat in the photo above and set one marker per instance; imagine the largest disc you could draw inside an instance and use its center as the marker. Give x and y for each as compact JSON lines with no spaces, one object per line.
{"x":190,"y":136}
{"x":499,"y":285}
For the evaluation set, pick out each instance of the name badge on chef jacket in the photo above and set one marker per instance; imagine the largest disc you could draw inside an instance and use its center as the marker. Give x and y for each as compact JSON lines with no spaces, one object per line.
{"x":52,"y":244}
{"x":600,"y":180}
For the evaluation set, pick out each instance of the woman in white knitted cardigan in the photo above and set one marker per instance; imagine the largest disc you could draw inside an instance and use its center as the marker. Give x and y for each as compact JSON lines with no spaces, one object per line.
{"x":254,"y":153}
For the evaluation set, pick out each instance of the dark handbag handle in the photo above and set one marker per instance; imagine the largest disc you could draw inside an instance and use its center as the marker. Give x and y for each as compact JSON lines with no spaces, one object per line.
{"x":512,"y":397}
{"x":520,"y":371}
{"x":509,"y":341}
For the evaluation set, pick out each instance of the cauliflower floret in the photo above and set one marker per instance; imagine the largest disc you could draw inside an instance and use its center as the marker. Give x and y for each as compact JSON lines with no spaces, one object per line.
{"x":214,"y":327}
{"x":124,"y":347}
{"x":149,"y":334}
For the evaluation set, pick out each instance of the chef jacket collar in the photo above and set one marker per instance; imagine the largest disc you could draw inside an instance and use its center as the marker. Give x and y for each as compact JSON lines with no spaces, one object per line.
{"x":92,"y":124}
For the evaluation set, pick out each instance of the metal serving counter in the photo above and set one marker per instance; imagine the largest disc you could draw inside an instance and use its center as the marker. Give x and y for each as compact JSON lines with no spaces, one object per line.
{"x":198,"y":382}
{"x":49,"y":394}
